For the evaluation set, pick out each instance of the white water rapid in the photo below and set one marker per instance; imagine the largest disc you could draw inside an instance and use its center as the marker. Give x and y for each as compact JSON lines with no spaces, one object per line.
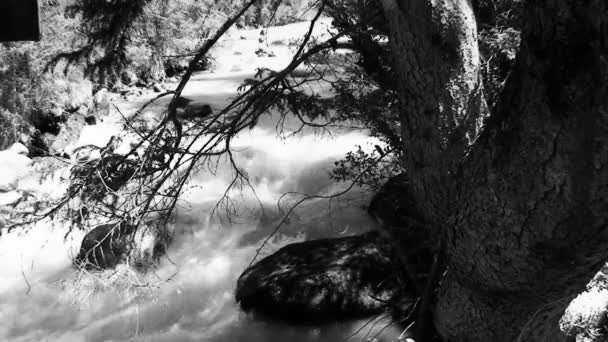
{"x":190,"y":297}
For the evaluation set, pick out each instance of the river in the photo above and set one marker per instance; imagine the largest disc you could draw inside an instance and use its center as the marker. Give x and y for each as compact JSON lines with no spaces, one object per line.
{"x":190,"y":296}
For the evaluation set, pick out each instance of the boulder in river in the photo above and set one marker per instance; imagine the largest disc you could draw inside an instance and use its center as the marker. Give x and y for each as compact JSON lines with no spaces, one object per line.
{"x":322,"y":279}
{"x":188,"y":109}
{"x":105,"y":246}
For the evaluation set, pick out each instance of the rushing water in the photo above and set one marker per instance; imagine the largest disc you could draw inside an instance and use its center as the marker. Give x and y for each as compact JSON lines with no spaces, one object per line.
{"x":190,"y":296}
{"x":42,"y":299}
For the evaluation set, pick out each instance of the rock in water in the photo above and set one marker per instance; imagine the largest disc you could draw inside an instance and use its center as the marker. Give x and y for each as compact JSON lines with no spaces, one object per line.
{"x":110,"y":244}
{"x":105,"y":246}
{"x":90,"y":120}
{"x":322,"y":279}
{"x":194,"y":110}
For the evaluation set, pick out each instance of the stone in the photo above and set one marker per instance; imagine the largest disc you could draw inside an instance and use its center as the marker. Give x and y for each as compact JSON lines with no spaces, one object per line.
{"x":90,"y":120}
{"x":108,"y":245}
{"x":322,"y":279}
{"x":105,"y":246}
{"x":260,"y":52}
{"x":195,"y":110}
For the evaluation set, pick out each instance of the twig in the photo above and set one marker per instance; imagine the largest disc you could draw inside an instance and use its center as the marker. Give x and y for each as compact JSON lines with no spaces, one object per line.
{"x":29,"y":287}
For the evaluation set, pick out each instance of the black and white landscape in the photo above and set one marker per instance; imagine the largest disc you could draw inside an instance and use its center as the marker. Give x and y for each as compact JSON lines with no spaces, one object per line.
{"x":294,"y":170}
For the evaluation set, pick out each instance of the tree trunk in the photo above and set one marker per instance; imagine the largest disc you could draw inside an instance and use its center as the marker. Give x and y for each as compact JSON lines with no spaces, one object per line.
{"x":523,"y":203}
{"x":157,"y":63}
{"x":157,"y":67}
{"x":259,"y":13}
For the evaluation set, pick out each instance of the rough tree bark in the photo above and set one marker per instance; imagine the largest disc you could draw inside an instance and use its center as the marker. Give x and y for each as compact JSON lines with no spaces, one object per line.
{"x":522,"y":203}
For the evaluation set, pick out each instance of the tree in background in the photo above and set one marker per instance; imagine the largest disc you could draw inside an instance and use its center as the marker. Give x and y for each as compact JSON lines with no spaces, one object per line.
{"x":141,"y":35}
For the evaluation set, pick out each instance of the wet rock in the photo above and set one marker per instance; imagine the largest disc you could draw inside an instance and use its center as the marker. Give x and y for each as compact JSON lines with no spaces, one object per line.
{"x":322,"y":279}
{"x":175,"y":66}
{"x":108,"y":245}
{"x":260,"y":52}
{"x":141,"y":84}
{"x":105,"y":246}
{"x":182,"y":102}
{"x":189,"y":109}
{"x":195,"y":110}
{"x":90,"y":120}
